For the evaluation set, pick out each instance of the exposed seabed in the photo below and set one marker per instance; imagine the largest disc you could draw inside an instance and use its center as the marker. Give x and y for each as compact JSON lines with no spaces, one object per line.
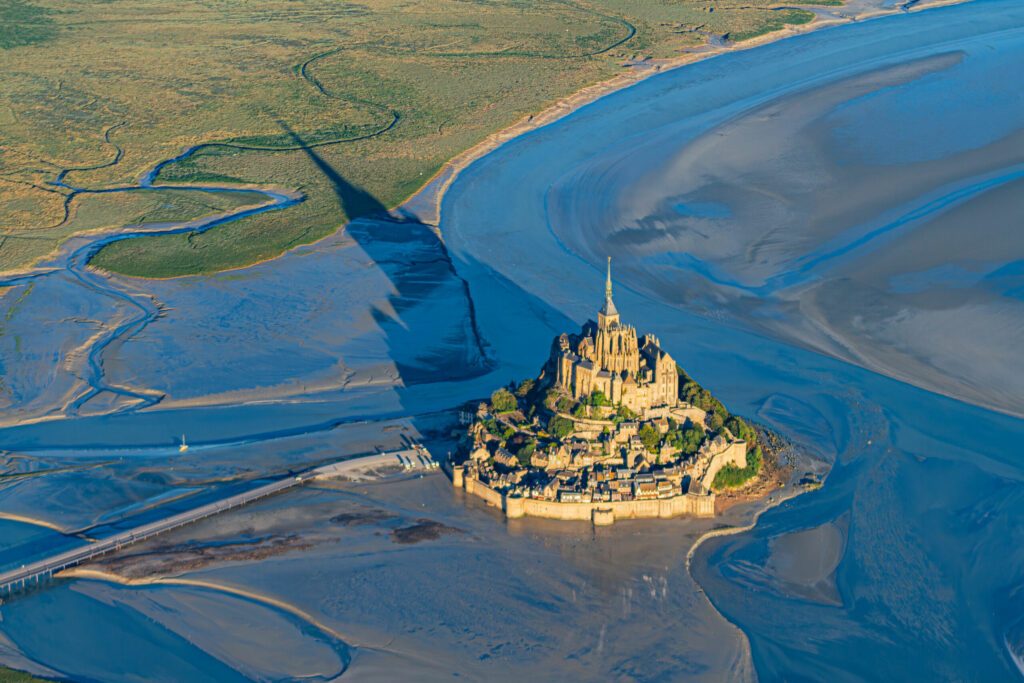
{"x":822,"y":231}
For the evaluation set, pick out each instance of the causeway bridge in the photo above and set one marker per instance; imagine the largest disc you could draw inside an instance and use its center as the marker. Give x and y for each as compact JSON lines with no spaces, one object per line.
{"x":29,"y":575}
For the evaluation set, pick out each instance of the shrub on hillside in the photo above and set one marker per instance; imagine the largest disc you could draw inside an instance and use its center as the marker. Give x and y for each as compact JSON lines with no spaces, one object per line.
{"x":502,"y":401}
{"x":560,"y":427}
{"x":524,"y":388}
{"x":730,"y":475}
{"x":564,"y":404}
{"x":650,"y":437}
{"x":741,"y":429}
{"x":695,"y":394}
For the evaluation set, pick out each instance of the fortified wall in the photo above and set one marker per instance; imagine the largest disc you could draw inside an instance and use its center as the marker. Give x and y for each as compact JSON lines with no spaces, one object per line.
{"x":619,"y":441}
{"x":734,"y":454}
{"x":600,"y":513}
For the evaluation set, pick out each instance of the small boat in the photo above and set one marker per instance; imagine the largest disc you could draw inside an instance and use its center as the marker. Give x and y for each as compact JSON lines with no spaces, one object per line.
{"x":184,"y":446}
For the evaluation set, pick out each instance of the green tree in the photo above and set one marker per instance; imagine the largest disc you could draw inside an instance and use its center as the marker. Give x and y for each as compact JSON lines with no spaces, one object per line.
{"x":686,"y":439}
{"x":580,"y":410}
{"x":741,"y":429}
{"x":502,"y":401}
{"x":560,"y":427}
{"x":525,"y":453}
{"x":525,"y":387}
{"x":597,"y":398}
{"x":693,"y":437}
{"x":624,"y":413}
{"x":731,"y":476}
{"x":693,"y":393}
{"x":650,"y":437}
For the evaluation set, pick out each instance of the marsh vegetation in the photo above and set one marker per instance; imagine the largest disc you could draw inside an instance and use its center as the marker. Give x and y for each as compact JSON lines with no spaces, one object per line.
{"x":387,"y":91}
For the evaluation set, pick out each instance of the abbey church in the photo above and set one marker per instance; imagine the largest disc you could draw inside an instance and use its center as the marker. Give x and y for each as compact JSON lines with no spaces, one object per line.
{"x":608,"y":357}
{"x":601,"y":434}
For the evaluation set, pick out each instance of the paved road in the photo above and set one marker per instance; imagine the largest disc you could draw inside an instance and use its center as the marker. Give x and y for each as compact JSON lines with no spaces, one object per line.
{"x":30,"y":574}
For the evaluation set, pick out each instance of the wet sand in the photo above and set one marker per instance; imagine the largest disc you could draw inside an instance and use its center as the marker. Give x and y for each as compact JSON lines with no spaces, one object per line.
{"x":427,"y":202}
{"x":922,"y":583}
{"x":486,"y":599}
{"x":807,"y":561}
{"x":783,"y":218}
{"x":684,"y":167}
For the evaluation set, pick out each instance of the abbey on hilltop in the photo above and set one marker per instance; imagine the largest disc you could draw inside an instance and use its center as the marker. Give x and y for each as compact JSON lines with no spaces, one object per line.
{"x":612,"y":428}
{"x":607,"y":357}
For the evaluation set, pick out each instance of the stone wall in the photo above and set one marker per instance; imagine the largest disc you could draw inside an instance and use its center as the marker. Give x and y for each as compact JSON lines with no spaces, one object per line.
{"x":734,"y":454}
{"x":662,"y":508}
{"x":599,"y":513}
{"x":692,"y":413}
{"x":481,"y":490}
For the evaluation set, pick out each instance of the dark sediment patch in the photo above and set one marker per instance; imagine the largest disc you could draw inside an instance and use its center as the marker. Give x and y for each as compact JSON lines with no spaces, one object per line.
{"x":186,"y":557}
{"x":361,"y":518}
{"x":423,"y":530}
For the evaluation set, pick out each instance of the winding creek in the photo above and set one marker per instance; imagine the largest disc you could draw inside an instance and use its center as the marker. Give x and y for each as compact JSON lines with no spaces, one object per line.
{"x":72,"y":260}
{"x":825,"y":231}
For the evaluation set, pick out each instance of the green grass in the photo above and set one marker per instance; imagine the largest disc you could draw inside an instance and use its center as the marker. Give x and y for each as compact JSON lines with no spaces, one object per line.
{"x":101,"y":211}
{"x":774,"y":21}
{"x":22,"y":23}
{"x":137,"y":83}
{"x":12,"y":676}
{"x":731,"y":476}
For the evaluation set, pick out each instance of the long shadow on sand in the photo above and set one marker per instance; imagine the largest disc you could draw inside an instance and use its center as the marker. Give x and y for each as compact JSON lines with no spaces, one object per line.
{"x":428,"y":340}
{"x":428,"y":330}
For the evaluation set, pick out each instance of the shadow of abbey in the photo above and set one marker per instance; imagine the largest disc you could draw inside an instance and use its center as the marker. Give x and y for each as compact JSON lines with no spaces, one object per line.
{"x":421,"y":320}
{"x":429,"y":322}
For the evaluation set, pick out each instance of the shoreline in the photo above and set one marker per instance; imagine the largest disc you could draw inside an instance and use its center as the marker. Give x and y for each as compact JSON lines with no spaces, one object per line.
{"x":431,"y":194}
{"x":87,"y":573}
{"x":766,"y":504}
{"x":800,"y":459}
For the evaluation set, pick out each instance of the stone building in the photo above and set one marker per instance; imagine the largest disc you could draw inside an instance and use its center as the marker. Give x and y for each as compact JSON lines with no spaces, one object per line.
{"x":608,"y":357}
{"x":608,"y":465}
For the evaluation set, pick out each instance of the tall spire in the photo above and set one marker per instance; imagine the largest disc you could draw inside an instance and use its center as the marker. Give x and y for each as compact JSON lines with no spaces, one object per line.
{"x":608,"y":313}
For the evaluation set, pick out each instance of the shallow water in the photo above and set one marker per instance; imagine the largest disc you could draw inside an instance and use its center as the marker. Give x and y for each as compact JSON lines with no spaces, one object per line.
{"x":103,"y":632}
{"x":787,"y":220}
{"x":827,"y":242}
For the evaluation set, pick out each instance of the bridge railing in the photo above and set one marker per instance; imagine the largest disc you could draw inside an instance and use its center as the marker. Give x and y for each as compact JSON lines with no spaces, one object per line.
{"x":15,"y":580}
{"x":28,"y":577}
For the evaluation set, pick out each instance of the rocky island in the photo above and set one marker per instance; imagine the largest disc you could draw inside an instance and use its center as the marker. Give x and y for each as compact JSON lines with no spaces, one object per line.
{"x":612,"y":428}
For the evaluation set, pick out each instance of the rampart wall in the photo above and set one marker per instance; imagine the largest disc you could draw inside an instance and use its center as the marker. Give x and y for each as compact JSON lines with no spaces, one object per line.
{"x":481,"y":490}
{"x":734,"y":454}
{"x":600,"y":513}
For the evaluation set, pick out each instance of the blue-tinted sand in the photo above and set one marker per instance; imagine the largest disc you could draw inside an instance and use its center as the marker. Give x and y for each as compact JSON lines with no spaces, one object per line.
{"x":825,"y":231}
{"x":932,"y":488}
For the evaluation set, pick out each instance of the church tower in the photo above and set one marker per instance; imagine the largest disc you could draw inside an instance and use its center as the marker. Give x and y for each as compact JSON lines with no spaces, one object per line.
{"x":615,"y":345}
{"x":608,"y":315}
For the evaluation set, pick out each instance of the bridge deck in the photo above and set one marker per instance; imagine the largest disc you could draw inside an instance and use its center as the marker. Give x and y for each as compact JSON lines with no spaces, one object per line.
{"x":10,"y":581}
